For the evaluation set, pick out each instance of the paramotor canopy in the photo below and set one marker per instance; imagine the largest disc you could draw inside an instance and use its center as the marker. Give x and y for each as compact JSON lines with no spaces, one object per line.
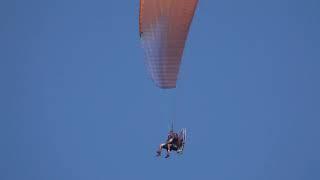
{"x":163,"y":28}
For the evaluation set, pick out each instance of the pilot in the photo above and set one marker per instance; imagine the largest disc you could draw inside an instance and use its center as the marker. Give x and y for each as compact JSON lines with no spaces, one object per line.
{"x":172,"y":143}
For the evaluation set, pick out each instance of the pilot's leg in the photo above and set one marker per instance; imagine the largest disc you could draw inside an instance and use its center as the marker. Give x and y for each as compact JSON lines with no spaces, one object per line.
{"x":160,"y":149}
{"x":168,"y":150}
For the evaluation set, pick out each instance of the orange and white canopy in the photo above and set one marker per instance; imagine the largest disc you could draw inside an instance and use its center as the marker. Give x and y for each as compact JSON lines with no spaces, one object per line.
{"x":164,"y":27}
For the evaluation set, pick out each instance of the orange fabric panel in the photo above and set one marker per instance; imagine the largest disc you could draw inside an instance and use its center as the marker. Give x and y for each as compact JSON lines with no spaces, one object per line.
{"x":164,"y":27}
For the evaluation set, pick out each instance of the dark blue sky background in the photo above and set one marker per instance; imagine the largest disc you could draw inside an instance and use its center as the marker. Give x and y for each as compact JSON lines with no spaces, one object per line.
{"x":77,"y":103}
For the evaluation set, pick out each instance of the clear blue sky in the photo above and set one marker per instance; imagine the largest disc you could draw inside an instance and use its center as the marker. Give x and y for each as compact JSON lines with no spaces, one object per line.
{"x":77,"y":103}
